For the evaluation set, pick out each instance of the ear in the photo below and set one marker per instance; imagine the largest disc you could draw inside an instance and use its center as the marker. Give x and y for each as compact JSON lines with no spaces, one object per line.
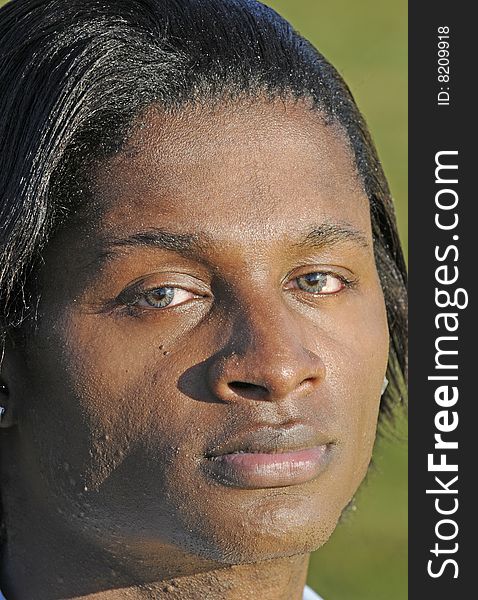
{"x":7,"y":387}
{"x":6,"y":412}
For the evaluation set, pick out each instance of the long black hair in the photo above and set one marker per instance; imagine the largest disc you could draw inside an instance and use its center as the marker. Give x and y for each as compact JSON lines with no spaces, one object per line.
{"x":75,"y":74}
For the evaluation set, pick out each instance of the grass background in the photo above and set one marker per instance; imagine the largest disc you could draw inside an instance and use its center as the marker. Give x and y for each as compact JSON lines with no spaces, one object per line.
{"x":366,"y":40}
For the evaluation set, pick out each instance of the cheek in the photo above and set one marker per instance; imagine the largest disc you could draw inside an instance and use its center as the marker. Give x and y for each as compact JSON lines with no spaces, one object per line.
{"x":356,"y":368}
{"x":88,"y":406}
{"x":103,"y":428}
{"x":353,"y":343}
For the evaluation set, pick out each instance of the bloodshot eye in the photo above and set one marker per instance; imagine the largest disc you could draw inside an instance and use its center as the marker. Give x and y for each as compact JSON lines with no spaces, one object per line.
{"x":320,"y":283}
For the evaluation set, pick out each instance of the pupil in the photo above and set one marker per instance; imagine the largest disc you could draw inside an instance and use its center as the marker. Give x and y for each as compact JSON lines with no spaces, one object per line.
{"x":160,"y":297}
{"x":314,"y":281}
{"x":316,"y":278}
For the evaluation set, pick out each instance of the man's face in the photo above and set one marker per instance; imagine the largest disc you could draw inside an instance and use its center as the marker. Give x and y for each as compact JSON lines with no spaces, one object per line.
{"x":207,"y":367}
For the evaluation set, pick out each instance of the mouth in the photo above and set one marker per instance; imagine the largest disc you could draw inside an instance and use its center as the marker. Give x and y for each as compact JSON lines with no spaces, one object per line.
{"x":268,"y":457}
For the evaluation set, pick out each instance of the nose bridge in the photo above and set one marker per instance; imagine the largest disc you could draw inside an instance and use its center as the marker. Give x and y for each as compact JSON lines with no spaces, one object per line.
{"x":268,"y":333}
{"x":266,"y":350}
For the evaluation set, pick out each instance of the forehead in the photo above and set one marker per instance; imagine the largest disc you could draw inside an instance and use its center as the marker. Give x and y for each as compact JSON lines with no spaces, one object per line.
{"x":262,"y":167}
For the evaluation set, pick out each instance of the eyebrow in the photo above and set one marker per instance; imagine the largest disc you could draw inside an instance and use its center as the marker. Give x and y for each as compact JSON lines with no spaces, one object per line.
{"x":181,"y":243}
{"x":331,"y":234}
{"x":317,"y":237}
{"x":159,"y":238}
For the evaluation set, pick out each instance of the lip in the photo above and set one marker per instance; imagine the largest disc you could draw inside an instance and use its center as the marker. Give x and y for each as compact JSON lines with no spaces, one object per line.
{"x":267,"y":457}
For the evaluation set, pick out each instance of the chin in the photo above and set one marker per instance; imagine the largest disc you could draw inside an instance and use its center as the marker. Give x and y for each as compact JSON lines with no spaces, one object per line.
{"x":256,"y":548}
{"x":276,"y":529}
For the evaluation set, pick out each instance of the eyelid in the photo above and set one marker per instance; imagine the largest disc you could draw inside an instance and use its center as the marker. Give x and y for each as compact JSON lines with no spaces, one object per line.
{"x":329,"y":269}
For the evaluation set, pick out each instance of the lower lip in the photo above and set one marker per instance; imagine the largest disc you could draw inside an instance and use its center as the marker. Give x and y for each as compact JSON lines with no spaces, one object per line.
{"x":257,"y":470}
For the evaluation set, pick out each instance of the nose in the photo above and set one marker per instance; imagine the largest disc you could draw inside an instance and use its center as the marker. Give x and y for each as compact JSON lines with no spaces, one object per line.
{"x":266,"y":359}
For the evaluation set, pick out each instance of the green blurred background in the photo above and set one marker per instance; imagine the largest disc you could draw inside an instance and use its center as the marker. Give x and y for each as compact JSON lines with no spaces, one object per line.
{"x":366,"y":40}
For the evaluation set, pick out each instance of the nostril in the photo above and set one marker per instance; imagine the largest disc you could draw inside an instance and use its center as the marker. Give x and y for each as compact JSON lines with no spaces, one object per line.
{"x":240,"y":385}
{"x":248,"y":390}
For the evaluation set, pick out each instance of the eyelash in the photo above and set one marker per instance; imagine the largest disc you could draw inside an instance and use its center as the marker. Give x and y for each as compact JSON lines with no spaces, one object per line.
{"x":129,"y":299}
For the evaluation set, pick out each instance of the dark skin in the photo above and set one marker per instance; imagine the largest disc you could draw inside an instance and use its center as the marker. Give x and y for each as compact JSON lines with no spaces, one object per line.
{"x":180,"y":314}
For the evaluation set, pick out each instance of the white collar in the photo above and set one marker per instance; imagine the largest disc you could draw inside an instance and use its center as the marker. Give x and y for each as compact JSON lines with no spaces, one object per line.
{"x":309,"y":594}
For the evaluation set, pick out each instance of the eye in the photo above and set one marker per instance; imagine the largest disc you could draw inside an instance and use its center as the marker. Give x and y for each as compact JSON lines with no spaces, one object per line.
{"x":319,"y":283}
{"x":162,"y":297}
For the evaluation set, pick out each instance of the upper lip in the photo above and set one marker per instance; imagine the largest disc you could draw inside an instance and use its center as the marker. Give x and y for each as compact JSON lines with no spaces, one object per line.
{"x":271,"y":440}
